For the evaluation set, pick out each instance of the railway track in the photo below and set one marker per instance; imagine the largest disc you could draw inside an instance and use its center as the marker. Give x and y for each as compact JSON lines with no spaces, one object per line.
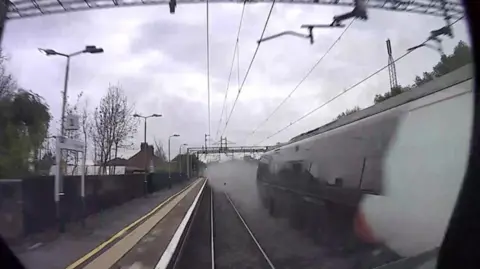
{"x":235,"y":244}
{"x":216,"y":236}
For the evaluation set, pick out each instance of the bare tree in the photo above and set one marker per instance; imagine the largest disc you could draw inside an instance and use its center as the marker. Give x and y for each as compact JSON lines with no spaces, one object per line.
{"x":124,"y":133}
{"x":7,"y":83}
{"x":159,"y":151}
{"x":113,"y":125}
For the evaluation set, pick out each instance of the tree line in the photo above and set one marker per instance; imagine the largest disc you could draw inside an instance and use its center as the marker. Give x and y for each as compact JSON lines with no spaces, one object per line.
{"x":24,"y":124}
{"x":460,"y":56}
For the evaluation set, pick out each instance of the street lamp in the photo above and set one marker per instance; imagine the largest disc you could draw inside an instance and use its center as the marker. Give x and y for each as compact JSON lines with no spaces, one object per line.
{"x":51,"y":52}
{"x":169,"y":174}
{"x":58,"y":177}
{"x":180,"y":156}
{"x":145,"y":144}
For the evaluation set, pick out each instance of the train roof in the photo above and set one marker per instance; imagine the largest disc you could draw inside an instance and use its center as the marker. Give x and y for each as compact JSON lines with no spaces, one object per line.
{"x":458,"y":76}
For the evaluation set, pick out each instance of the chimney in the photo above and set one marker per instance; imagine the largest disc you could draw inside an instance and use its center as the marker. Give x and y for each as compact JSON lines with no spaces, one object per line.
{"x":142,"y":146}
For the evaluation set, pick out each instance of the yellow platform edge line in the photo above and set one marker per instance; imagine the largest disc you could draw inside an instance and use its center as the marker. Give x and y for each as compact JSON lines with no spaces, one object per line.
{"x":124,"y":230}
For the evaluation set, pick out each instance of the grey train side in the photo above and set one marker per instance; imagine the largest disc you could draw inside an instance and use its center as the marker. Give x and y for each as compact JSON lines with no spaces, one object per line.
{"x":318,"y":180}
{"x":317,"y":183}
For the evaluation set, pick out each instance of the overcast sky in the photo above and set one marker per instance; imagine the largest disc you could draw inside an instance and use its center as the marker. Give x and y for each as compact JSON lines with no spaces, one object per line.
{"x":160,"y":61}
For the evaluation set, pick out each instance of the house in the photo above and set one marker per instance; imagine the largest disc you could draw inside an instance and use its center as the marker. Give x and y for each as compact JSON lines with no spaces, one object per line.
{"x":117,"y":166}
{"x":117,"y":162}
{"x":143,"y":158}
{"x":180,"y":163}
{"x":175,"y":163}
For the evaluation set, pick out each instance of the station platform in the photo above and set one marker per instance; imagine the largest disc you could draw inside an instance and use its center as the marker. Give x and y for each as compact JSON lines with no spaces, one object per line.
{"x":137,"y":244}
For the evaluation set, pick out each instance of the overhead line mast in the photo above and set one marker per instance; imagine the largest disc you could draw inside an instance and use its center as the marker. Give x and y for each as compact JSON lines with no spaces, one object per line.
{"x":392,"y":70}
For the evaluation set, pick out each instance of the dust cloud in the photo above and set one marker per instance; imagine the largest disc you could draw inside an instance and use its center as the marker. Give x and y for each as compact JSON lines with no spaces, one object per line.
{"x":238,"y":179}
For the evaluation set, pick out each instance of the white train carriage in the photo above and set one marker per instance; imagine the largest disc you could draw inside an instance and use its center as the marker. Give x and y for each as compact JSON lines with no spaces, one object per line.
{"x":383,"y":179}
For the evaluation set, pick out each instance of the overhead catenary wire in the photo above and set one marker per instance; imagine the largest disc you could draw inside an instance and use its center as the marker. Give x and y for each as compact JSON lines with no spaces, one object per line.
{"x":302,"y":80}
{"x":248,"y":69}
{"x":208,"y":65}
{"x":347,"y":90}
{"x":333,"y":98}
{"x":238,"y":65}
{"x":457,"y":20}
{"x":235,"y":54}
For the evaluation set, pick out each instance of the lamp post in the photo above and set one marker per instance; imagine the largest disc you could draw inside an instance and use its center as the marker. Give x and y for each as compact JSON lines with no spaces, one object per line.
{"x":169,"y":174}
{"x":58,"y":178}
{"x":51,"y":52}
{"x":145,"y":191}
{"x":180,"y":156}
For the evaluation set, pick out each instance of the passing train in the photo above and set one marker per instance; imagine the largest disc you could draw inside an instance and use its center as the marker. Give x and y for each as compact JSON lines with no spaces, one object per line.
{"x":380,"y":184}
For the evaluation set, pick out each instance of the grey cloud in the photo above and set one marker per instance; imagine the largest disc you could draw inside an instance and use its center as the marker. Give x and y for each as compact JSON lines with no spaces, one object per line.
{"x":169,"y":37}
{"x":186,"y":44}
{"x":158,"y":84}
